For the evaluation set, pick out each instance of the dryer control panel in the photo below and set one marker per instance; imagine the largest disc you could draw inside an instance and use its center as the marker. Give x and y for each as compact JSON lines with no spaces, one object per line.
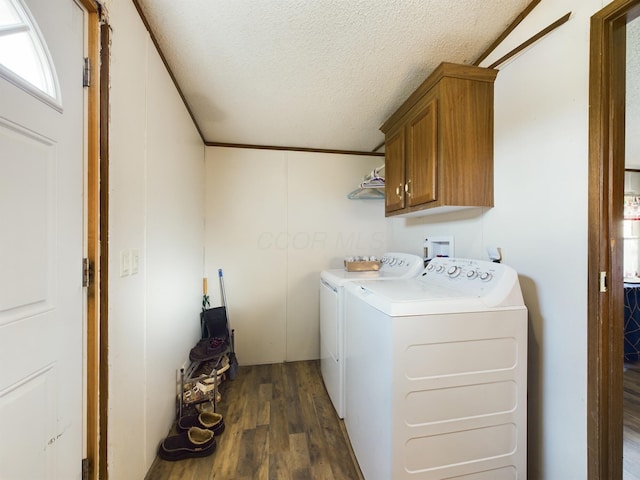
{"x":402,"y":264}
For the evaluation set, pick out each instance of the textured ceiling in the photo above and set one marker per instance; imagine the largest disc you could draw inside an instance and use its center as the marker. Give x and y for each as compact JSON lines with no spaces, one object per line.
{"x":314,"y":73}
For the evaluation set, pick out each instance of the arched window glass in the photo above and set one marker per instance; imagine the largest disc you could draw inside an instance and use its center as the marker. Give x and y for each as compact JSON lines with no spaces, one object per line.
{"x":23,"y":54}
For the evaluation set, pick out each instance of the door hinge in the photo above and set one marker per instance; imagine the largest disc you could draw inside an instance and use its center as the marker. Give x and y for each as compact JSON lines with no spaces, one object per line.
{"x":85,"y":469}
{"x":86,"y":73}
{"x":86,"y":272}
{"x":603,"y":282}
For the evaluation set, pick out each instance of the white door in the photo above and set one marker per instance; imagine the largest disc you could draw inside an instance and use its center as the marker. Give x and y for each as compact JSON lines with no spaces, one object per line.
{"x":41,"y":246}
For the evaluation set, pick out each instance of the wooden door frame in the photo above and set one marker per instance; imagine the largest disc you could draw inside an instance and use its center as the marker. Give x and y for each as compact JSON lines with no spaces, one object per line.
{"x":95,"y":246}
{"x":605,"y":276}
{"x":100,"y":471}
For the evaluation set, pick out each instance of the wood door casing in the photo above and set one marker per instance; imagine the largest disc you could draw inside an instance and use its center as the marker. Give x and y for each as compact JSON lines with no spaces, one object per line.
{"x":606,"y":190}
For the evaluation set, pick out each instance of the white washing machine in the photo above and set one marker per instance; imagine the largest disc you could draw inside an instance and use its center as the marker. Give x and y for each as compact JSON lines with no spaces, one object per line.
{"x":332,"y":311}
{"x":436,"y":374}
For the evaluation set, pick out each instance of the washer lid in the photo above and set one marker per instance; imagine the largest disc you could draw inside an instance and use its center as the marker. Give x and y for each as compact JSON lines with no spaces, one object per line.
{"x":410,"y":290}
{"x":394,"y":265}
{"x":408,"y":297}
{"x":445,"y":286}
{"x":339,"y":276}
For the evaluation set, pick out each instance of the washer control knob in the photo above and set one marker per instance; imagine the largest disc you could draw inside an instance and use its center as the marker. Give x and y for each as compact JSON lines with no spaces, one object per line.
{"x":471,"y":274}
{"x":453,"y":271}
{"x":392,"y":261}
{"x":430,"y":267}
{"x":440,"y":269}
{"x":485,"y":276}
{"x":400,"y":262}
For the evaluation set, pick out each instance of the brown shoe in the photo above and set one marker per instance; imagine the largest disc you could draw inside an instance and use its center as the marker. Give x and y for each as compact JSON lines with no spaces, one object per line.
{"x":195,"y":442}
{"x":207,"y":348}
{"x":207,"y":420}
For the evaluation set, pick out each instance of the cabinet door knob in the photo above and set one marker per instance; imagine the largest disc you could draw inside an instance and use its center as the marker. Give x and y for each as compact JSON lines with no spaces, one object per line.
{"x":399,"y":191}
{"x":407,"y":188}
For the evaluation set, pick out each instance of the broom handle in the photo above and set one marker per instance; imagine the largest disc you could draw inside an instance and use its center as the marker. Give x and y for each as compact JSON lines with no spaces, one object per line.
{"x":222,"y":292}
{"x":224,"y":304}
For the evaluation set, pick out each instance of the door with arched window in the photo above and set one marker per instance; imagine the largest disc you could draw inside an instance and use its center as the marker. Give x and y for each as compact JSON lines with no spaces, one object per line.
{"x":42,"y":151}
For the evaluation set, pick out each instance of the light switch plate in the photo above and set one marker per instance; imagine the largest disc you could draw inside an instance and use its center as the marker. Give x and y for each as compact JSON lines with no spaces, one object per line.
{"x":125,"y":263}
{"x":135,"y":261}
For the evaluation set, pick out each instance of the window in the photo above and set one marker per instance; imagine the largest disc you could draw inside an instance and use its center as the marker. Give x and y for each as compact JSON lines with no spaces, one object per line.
{"x":24,"y":58}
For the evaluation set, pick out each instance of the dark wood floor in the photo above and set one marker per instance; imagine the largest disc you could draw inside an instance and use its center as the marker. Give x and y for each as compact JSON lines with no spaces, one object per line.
{"x":631,"y":454}
{"x":280,"y":424}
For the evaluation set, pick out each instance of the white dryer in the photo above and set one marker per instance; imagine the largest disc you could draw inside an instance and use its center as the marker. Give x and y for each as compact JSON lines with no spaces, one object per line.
{"x":436,"y":374}
{"x":332,"y":311}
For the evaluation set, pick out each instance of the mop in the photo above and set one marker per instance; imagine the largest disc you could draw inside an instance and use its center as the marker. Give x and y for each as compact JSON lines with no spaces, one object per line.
{"x":233,"y":361}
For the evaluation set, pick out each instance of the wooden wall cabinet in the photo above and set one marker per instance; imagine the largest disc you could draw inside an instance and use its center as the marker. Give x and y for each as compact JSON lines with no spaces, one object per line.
{"x":439,"y":144}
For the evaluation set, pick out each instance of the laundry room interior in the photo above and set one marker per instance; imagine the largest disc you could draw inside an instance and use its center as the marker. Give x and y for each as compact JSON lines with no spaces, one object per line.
{"x":273,"y":219}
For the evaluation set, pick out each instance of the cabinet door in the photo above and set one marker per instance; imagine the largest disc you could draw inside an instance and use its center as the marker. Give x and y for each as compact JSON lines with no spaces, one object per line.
{"x":422,"y":156}
{"x":394,"y":171}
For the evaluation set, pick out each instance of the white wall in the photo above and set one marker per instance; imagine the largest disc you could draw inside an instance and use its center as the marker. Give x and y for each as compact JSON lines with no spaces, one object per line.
{"x":274,"y":220}
{"x":540,"y":222}
{"x":156,"y":207}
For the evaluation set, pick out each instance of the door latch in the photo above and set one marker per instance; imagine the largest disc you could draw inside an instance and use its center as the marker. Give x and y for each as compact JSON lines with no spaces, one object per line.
{"x":86,"y":272}
{"x":603,"y":282}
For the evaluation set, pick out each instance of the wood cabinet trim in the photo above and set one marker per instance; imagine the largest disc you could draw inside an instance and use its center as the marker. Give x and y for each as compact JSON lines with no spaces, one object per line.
{"x":444,"y":70}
